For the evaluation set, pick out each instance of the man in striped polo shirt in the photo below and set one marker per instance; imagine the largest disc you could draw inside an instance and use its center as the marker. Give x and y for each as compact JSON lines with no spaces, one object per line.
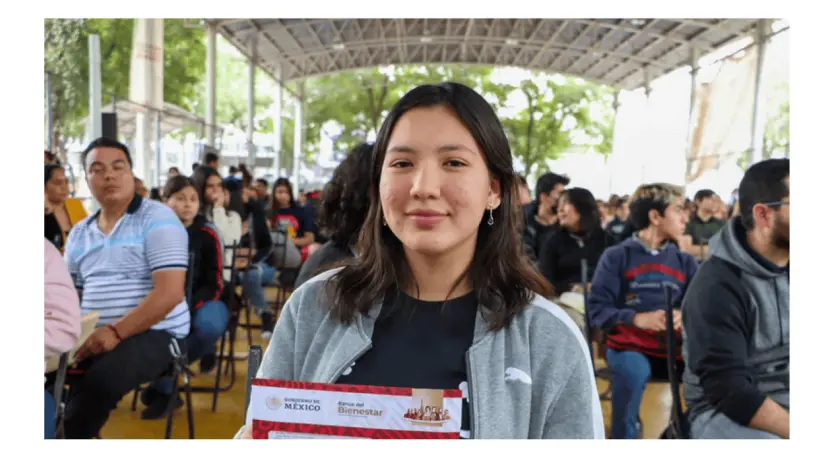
{"x":129,"y":262}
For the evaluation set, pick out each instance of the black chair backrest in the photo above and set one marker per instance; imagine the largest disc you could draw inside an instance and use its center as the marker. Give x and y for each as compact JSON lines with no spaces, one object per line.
{"x":678,"y":421}
{"x":253,"y":362}
{"x":279,"y":246}
{"x":587,"y":329}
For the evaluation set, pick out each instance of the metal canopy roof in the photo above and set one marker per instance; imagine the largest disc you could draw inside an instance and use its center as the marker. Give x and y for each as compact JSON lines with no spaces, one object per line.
{"x":616,"y":52}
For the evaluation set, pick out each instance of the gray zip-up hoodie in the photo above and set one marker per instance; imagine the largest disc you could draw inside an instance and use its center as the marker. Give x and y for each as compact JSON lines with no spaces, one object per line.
{"x":557,"y":399}
{"x":736,"y":331}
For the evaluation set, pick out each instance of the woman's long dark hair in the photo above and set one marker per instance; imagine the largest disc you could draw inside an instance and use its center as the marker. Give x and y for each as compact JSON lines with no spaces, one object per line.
{"x":283,"y":181}
{"x":585,"y":204}
{"x":178,"y":183}
{"x":500,"y":275}
{"x":199,"y":178}
{"x":346,"y":200}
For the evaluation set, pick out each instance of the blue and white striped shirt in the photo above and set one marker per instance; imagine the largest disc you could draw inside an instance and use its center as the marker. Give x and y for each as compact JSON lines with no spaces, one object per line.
{"x":114,"y":272}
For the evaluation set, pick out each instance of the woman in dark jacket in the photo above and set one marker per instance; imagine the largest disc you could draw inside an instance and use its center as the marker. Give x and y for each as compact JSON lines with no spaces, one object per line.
{"x":343,"y":210}
{"x":580,"y":235}
{"x":205,"y":284}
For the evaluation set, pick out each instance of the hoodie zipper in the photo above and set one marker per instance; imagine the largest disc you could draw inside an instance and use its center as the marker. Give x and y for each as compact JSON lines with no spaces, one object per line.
{"x":779,"y":312}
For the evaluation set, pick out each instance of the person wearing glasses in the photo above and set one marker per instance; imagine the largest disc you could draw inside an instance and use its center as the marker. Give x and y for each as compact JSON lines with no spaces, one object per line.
{"x":736,"y":317}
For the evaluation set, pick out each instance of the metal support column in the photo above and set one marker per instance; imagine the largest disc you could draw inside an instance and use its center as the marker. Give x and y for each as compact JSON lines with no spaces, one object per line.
{"x":616,"y":105}
{"x":298,"y":137}
{"x":758,"y":119}
{"x":95,"y":128}
{"x":158,"y":139}
{"x":694,"y":72}
{"x":211,"y":64}
{"x":49,"y":124}
{"x":276,"y":122}
{"x":646,"y":120}
{"x":250,"y":126}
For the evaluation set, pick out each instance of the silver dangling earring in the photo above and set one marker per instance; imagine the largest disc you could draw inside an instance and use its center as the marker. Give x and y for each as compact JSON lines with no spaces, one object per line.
{"x":490,"y":220}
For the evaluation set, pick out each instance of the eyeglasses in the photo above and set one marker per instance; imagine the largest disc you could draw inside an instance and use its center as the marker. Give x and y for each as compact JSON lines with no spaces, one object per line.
{"x":117,"y":169}
{"x":776,"y":203}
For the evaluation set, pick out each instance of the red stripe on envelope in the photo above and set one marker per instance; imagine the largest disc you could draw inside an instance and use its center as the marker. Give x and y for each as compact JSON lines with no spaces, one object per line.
{"x":379,"y":390}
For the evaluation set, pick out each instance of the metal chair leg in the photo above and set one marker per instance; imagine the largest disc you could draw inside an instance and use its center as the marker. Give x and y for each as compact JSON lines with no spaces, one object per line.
{"x":221,"y":361}
{"x":190,"y":418}
{"x":135,"y":398}
{"x":248,"y":325}
{"x":170,"y":408}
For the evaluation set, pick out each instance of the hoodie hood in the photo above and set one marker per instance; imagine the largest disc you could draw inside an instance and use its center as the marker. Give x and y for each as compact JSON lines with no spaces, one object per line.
{"x":730,"y":244}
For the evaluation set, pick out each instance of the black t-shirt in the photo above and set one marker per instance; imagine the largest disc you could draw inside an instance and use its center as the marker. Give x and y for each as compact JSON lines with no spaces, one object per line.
{"x":561,"y":255}
{"x":53,"y":231}
{"x":419,"y":344}
{"x":299,"y":219}
{"x":702,"y":231}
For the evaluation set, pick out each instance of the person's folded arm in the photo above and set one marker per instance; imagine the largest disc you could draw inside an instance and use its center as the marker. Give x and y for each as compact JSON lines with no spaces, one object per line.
{"x":167,"y":252}
{"x":714,"y":318}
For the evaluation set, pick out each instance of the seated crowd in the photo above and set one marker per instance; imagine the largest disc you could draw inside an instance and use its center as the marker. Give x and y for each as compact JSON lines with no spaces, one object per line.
{"x":430,"y":222}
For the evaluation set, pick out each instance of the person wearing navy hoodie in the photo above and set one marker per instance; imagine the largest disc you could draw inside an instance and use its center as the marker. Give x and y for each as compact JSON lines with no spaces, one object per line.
{"x":627,"y":298}
{"x":209,"y":315}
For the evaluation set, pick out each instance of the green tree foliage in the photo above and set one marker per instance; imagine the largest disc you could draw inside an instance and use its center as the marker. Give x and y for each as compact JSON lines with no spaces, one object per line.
{"x":560,"y":113}
{"x":360,"y":100}
{"x":777,"y":138}
{"x":67,"y":59}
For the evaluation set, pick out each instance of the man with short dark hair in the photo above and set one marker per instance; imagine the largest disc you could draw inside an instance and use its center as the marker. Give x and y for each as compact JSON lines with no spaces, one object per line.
{"x":129,"y":263}
{"x":703,"y":224}
{"x":736,"y":317}
{"x":211,"y":160}
{"x":540,"y":218}
{"x":620,"y":228}
{"x":173,"y":172}
{"x":262,"y":193}
{"x":627,"y":299}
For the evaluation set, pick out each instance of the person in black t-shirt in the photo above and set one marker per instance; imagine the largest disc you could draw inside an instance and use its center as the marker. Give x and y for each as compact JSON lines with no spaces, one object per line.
{"x":703,"y":225}
{"x":440,"y":295}
{"x":293,"y":220}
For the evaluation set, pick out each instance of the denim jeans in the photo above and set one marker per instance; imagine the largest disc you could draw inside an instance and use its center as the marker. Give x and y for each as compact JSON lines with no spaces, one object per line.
{"x":630,"y":373}
{"x":255,"y":278}
{"x":209,"y":324}
{"x":50,"y":416}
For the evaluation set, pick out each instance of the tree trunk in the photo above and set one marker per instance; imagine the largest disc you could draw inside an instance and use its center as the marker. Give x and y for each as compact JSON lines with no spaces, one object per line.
{"x":528,"y":155}
{"x":377,"y":105}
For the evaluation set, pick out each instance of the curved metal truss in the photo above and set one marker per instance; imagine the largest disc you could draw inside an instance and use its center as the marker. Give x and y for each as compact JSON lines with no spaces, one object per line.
{"x":617,"y":52}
